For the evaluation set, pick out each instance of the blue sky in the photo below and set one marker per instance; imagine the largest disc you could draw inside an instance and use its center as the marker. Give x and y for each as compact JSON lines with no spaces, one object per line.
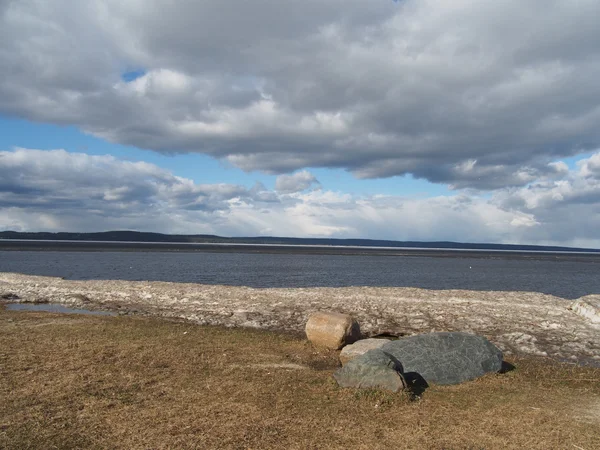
{"x":412,"y":120}
{"x":197,"y":167}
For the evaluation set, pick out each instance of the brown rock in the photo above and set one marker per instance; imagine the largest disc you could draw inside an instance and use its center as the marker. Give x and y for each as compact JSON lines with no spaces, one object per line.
{"x":332,"y":330}
{"x":361,"y":347}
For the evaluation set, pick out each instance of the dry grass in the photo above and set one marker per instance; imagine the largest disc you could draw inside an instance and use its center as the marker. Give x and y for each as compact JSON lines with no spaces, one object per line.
{"x":96,"y":382}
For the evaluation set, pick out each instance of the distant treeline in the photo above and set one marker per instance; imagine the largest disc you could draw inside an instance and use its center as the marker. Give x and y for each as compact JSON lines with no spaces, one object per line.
{"x":138,"y":236}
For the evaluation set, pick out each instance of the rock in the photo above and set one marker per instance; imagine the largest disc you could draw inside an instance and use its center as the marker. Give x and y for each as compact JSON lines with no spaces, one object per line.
{"x":332,"y":330}
{"x":588,"y":307}
{"x":373,"y":369}
{"x":446,"y":358}
{"x":352,"y":351}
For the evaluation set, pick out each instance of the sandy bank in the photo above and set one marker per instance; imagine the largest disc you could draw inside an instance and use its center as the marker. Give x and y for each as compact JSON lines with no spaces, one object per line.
{"x":518,"y":322}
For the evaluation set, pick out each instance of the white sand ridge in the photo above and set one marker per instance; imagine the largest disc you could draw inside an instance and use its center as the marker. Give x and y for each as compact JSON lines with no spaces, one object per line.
{"x":518,"y":322}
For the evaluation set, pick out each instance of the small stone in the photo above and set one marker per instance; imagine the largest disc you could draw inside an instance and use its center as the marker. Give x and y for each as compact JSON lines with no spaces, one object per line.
{"x":359,"y":348}
{"x":332,"y":330}
{"x":373,"y":369}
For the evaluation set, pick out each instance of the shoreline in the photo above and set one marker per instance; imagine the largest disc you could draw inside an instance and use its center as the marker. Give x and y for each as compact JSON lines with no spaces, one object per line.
{"x":174,"y":247}
{"x":520,"y":323}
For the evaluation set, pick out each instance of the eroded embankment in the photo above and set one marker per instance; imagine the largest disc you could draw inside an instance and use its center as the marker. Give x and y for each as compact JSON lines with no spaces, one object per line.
{"x":518,"y":322}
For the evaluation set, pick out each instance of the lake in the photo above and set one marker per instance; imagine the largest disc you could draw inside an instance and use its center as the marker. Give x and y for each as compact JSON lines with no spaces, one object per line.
{"x":567,"y":276}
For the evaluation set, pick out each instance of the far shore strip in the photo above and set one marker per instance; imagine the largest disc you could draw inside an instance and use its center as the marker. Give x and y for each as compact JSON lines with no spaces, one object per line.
{"x":523,"y":323}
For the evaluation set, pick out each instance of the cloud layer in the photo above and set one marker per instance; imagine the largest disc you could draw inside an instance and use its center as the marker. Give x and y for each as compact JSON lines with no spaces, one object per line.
{"x":468,"y":93}
{"x":288,"y":184}
{"x":62,"y":191}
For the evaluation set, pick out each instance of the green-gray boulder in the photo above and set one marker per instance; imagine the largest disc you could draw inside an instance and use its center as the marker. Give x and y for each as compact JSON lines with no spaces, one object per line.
{"x":373,"y":369}
{"x":445,"y":358}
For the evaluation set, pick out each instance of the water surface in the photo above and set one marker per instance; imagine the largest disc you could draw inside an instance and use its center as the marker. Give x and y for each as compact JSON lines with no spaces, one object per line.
{"x":561,"y":276}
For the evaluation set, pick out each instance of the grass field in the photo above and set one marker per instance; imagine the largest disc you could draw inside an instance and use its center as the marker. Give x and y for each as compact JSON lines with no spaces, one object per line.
{"x":71,"y":381}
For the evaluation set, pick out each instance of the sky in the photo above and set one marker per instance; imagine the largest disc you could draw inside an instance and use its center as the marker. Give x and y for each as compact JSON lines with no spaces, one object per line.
{"x":461,"y":120}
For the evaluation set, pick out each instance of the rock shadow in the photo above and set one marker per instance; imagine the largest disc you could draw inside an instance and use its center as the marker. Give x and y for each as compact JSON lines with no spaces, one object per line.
{"x":506,"y":367}
{"x":415,"y":384}
{"x":387,"y":335}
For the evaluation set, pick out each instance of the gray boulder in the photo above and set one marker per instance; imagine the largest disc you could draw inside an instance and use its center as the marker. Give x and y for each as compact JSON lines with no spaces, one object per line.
{"x":373,"y":369}
{"x":445,"y":358}
{"x":349,"y":352}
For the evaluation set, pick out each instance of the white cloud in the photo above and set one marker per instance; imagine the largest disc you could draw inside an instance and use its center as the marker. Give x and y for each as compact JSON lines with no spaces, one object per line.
{"x":287,"y":184}
{"x":469,"y":93}
{"x":590,"y":167}
{"x":62,"y":191}
{"x":47,"y":180}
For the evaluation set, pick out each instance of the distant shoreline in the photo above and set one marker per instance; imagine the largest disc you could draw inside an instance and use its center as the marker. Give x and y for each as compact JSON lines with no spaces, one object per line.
{"x":134,"y":246}
{"x":127,"y":236}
